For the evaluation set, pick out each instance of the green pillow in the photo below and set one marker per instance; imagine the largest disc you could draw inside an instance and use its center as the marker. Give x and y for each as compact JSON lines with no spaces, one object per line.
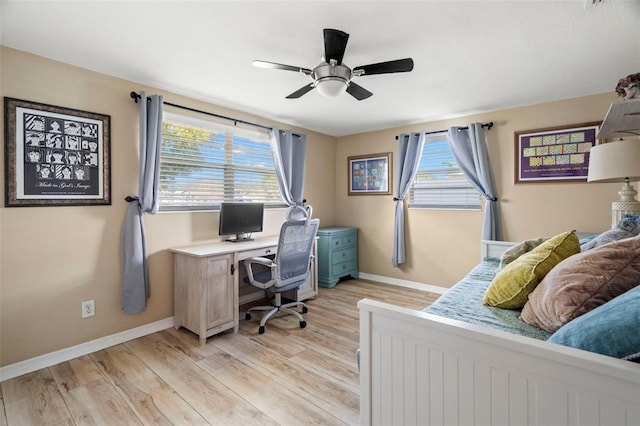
{"x":512,"y":285}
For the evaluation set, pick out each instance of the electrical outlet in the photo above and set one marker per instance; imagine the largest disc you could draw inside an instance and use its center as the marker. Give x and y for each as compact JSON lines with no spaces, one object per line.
{"x":88,"y":308}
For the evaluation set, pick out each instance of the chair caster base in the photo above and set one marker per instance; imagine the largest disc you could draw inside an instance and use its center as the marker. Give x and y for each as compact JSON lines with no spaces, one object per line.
{"x":261,"y":329}
{"x":303,"y":324}
{"x":304,"y":310}
{"x":247,"y":316}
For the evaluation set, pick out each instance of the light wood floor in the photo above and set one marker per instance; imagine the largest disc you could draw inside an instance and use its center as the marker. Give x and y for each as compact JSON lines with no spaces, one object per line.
{"x":287,"y":376}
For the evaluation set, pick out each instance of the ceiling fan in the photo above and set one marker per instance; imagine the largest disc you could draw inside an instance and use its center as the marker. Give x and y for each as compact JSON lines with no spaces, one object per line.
{"x":331,"y":77}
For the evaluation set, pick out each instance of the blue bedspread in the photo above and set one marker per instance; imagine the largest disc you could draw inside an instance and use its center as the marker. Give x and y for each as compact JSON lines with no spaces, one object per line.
{"x":463,"y":302}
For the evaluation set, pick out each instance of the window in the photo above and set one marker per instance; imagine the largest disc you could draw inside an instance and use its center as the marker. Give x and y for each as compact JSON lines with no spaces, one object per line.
{"x":439,"y":182}
{"x":204,"y":163}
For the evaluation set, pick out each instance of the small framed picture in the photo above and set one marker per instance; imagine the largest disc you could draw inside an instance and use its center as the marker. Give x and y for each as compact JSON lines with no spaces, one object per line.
{"x":555,"y":154}
{"x":55,"y":156}
{"x":370,"y":174}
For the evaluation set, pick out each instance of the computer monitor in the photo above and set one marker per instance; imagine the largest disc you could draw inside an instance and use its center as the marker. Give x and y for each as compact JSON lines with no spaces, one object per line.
{"x":240,"y":219}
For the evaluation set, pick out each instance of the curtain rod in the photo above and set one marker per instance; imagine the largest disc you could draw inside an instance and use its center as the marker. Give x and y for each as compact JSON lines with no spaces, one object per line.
{"x":136,"y":96}
{"x":488,"y":125}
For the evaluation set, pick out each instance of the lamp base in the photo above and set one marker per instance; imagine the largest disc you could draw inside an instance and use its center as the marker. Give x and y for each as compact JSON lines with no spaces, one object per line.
{"x":626,"y":205}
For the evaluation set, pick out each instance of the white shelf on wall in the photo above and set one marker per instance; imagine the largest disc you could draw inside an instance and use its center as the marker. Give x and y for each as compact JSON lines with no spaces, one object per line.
{"x":622,"y":119}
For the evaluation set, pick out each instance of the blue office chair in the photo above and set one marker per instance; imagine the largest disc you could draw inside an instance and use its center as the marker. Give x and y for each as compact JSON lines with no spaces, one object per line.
{"x":290,"y":268}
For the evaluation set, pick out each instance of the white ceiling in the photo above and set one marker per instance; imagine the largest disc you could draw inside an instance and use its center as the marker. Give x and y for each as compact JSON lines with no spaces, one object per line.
{"x":470,"y":56}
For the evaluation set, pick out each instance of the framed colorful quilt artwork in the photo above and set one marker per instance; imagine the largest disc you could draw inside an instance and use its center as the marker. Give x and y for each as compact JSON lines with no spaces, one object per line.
{"x":556,"y":154}
{"x":370,"y":174}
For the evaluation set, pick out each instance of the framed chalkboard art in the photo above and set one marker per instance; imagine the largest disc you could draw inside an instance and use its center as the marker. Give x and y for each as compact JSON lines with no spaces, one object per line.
{"x":55,"y":156}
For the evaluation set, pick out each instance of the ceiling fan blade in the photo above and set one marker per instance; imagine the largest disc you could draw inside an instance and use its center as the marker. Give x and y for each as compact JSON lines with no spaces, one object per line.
{"x":358,"y":92}
{"x":301,"y":91}
{"x":335,"y":43}
{"x":276,"y":66}
{"x":399,"y":65}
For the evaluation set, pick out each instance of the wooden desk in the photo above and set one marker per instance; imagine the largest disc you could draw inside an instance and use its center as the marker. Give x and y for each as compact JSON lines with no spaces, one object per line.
{"x":208,"y":288}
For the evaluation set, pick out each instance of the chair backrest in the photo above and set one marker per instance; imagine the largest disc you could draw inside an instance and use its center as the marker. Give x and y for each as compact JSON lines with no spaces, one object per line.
{"x":294,"y":250}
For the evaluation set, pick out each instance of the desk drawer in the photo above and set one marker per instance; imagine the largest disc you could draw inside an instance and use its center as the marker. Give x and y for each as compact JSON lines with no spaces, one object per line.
{"x":344,"y":255}
{"x":260,"y":252}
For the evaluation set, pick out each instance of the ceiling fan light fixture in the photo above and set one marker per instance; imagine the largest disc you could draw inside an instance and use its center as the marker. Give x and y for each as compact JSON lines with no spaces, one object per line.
{"x":331,"y":86}
{"x":331,"y":77}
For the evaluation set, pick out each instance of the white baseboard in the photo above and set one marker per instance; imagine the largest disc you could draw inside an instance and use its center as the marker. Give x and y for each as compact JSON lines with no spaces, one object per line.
{"x":403,"y":283}
{"x":53,"y":358}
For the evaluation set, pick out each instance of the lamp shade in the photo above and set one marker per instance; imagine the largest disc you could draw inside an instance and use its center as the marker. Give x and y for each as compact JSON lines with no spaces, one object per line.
{"x":614,"y":162}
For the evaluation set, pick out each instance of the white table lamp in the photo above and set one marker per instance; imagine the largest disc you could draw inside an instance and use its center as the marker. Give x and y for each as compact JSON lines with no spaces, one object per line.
{"x":617,"y":161}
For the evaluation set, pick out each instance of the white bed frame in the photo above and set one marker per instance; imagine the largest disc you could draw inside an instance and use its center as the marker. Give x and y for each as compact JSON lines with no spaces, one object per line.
{"x":422,"y":369}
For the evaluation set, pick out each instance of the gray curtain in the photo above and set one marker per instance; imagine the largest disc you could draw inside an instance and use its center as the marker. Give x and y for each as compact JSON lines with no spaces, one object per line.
{"x":135,"y":276}
{"x":409,"y":152}
{"x":289,"y":152}
{"x":470,"y":150}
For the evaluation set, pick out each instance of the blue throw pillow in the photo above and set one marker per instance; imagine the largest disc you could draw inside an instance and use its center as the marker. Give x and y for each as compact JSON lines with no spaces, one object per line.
{"x":610,"y":329}
{"x":626,"y":228}
{"x":586,"y":239}
{"x":635,"y":217}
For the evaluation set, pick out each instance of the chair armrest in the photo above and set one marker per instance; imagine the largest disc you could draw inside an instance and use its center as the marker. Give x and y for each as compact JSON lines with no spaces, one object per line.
{"x":261,"y":260}
{"x":265,"y":261}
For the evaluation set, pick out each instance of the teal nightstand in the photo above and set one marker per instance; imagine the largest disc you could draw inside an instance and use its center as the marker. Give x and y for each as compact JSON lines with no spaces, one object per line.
{"x":337,"y":254}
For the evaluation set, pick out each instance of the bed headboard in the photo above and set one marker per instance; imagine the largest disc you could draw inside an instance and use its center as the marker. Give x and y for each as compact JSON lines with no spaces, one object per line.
{"x":490,"y":248}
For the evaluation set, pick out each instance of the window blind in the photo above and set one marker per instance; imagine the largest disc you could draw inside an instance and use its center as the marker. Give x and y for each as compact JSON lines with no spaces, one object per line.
{"x":204,"y":163}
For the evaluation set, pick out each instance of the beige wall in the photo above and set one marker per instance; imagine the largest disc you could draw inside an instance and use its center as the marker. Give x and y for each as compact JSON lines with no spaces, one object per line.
{"x":53,"y":258}
{"x":443,"y":245}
